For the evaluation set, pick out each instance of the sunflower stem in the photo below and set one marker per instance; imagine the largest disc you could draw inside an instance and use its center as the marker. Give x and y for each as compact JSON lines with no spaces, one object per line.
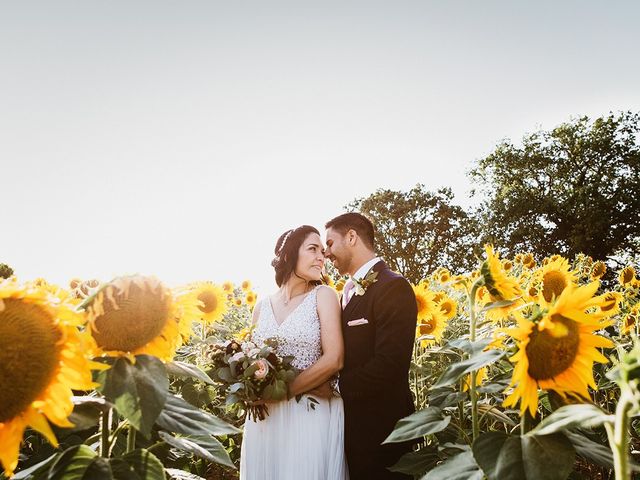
{"x":618,"y":435}
{"x":105,"y":430}
{"x":461,"y":405}
{"x":472,"y":337}
{"x":525,"y":423}
{"x":131,"y":439}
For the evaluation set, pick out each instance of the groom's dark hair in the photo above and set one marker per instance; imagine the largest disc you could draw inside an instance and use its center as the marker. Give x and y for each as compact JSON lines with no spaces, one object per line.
{"x":354,"y":221}
{"x":286,"y":251}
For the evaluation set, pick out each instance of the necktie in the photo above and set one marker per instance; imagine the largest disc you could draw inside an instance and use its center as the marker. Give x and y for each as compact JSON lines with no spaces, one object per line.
{"x":346,"y":292}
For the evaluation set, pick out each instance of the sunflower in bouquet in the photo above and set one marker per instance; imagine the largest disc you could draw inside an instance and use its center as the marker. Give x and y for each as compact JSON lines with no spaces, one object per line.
{"x":251,"y":374}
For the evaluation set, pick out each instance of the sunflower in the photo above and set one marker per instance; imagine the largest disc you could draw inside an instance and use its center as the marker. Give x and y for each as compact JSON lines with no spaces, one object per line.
{"x":251,"y":299}
{"x":431,"y":319}
{"x":496,"y":314}
{"x":610,"y":305}
{"x":627,"y":275}
{"x":442,"y":275}
{"x":245,"y":334}
{"x":237,"y":301}
{"x":528,"y":261}
{"x":481,"y":376}
{"x":137,"y":315}
{"x":425,"y":300}
{"x":434,"y":325}
{"x":228,"y":287}
{"x":448,"y":306}
{"x":557,"y":352}
{"x":552,"y":278}
{"x":598,"y":270}
{"x":500,"y":285}
{"x":630,"y":320}
{"x":245,"y":285}
{"x":339,"y":285}
{"x":43,"y":356}
{"x":211,"y":300}
{"x":507,"y":265}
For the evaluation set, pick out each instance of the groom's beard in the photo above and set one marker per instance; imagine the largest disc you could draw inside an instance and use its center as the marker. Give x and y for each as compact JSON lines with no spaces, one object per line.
{"x":342,"y":264}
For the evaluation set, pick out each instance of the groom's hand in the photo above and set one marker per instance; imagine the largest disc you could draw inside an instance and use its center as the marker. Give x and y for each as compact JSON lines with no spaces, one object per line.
{"x":322,"y":391}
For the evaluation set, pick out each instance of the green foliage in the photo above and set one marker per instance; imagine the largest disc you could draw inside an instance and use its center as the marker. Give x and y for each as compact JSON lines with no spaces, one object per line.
{"x":570,"y":190}
{"x":135,"y":397}
{"x":423,"y":422}
{"x":138,"y":390}
{"x":528,"y":457}
{"x":419,"y":230}
{"x":458,"y":467}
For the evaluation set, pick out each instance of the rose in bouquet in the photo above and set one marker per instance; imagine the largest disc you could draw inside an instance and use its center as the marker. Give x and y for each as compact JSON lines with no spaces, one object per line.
{"x":251,"y":374}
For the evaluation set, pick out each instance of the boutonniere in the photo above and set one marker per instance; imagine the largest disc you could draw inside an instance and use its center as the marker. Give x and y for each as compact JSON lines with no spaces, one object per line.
{"x":361,"y":285}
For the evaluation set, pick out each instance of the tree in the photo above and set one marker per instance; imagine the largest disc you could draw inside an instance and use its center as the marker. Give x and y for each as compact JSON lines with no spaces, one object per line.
{"x":418,"y":231}
{"x":5,"y":271}
{"x":569,"y":190}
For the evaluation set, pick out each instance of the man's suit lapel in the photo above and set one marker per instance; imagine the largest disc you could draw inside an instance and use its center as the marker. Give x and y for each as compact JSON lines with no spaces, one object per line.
{"x":357,"y":299}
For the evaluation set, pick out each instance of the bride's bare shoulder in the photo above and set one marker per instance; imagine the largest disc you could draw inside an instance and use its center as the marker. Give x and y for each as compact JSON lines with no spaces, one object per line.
{"x":327,"y":294}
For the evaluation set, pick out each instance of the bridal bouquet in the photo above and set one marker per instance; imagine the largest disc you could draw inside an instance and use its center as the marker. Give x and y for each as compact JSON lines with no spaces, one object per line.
{"x":250,"y":374}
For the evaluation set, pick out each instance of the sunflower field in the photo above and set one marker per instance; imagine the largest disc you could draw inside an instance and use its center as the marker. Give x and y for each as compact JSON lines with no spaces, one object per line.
{"x":525,"y":368}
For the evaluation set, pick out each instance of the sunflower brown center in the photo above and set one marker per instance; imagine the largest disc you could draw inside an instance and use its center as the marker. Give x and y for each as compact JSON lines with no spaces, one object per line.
{"x":446,"y":307}
{"x":427,"y":327}
{"x":599,"y":269}
{"x":610,"y":302}
{"x":139,"y":318}
{"x":629,"y":320}
{"x":209,"y":300}
{"x":29,"y":355}
{"x":553,"y":283}
{"x":549,"y":355}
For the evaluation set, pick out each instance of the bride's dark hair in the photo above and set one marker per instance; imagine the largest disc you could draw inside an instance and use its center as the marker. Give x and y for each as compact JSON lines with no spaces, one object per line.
{"x":286,"y":252}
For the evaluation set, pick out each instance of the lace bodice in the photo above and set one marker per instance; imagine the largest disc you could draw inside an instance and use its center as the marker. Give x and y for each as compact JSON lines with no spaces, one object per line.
{"x":298,"y":335}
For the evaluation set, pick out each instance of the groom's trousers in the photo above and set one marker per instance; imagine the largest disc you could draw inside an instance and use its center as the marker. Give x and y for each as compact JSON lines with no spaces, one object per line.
{"x":372,"y":464}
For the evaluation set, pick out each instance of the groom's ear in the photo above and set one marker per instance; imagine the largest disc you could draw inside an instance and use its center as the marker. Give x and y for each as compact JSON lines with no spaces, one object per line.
{"x":352,"y":236}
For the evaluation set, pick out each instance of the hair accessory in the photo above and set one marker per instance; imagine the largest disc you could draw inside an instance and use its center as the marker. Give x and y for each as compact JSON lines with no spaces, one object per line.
{"x":284,"y":241}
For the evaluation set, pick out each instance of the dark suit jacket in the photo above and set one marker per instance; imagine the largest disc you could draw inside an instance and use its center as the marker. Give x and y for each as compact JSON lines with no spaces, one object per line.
{"x":374,"y":382}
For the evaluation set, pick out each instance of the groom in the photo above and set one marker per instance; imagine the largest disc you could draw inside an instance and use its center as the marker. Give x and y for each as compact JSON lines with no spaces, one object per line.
{"x":378,"y":324}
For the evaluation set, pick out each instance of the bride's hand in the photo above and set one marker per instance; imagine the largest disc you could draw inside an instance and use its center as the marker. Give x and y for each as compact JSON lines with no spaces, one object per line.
{"x":323,"y":391}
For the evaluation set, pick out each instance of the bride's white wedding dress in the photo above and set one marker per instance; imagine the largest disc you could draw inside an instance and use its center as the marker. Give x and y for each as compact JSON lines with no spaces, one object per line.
{"x":295,"y":441}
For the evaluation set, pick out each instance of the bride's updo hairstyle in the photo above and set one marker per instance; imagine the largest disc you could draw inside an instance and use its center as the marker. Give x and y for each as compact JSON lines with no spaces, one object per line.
{"x":286,"y":252}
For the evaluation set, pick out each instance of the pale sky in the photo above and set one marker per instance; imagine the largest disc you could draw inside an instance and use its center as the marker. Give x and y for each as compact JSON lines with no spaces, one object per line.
{"x":179,"y":139}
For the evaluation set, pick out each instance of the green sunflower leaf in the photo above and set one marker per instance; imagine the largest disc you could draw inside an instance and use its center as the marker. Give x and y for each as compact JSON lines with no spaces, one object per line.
{"x":139,"y":390}
{"x":187,"y":370}
{"x":459,"y":467}
{"x":456,"y":370}
{"x":179,"y":416}
{"x":423,"y":422}
{"x":203,"y":446}
{"x":139,"y":464}
{"x":73,"y":464}
{"x":580,"y":415}
{"x":531,"y":457}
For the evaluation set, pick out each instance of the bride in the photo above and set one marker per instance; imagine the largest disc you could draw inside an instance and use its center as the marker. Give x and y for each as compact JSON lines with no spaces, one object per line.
{"x":302,"y":437}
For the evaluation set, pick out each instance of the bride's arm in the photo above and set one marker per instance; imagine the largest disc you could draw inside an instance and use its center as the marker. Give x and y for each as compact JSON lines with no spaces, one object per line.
{"x":332,"y":346}
{"x":256,"y":312}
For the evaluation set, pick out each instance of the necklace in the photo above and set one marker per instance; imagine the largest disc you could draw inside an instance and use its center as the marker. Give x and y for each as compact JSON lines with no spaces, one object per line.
{"x":286,"y":300}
